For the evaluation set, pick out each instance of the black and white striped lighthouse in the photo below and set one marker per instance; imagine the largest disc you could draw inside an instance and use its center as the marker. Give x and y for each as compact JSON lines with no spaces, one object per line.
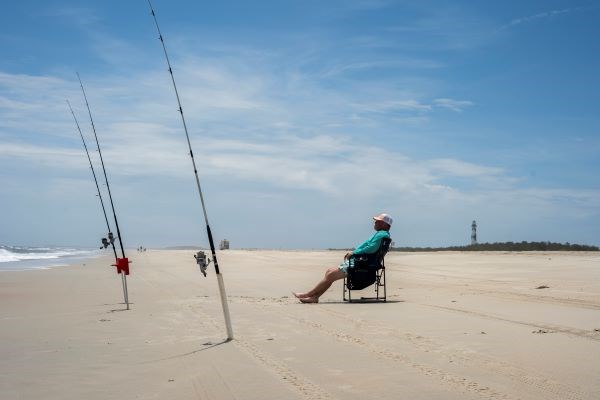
{"x":473,"y":233}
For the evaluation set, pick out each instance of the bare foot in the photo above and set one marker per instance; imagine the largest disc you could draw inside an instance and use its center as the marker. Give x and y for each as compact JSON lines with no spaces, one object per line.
{"x":300,"y":295}
{"x":309,"y":300}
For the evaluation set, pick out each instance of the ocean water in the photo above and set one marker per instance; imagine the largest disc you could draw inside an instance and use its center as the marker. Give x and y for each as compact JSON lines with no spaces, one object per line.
{"x":19,"y":258}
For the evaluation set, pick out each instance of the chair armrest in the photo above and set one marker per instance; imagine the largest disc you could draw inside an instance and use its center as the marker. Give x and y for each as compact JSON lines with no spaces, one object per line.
{"x":363,"y":260}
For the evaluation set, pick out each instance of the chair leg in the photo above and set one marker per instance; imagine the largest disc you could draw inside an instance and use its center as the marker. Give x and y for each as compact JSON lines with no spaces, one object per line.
{"x":380,"y":281}
{"x":349,"y":290}
{"x":349,"y":296}
{"x":345,"y":289}
{"x":384,"y":286}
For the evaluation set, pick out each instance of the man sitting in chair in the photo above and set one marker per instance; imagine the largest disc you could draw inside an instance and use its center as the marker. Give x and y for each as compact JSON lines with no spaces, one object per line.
{"x":382,"y":225}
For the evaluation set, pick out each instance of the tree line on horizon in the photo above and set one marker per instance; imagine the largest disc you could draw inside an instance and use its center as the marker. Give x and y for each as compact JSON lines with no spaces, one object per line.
{"x":506,"y":246}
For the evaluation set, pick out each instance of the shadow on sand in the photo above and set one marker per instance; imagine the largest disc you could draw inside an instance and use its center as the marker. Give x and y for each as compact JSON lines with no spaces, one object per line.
{"x":207,"y":346}
{"x":360,"y":301}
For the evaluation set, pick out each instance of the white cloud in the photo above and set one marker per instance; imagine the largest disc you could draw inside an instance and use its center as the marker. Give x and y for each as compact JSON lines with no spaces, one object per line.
{"x":276,"y":133}
{"x":460,"y":168}
{"x":541,"y":15}
{"x":409,"y":63}
{"x":451,"y":104}
{"x":8,"y":104}
{"x":446,"y":26}
{"x":79,"y":15}
{"x":23,"y":83}
{"x":57,"y":157}
{"x":254,"y":129}
{"x":410,"y":108}
{"x":395,"y":105}
{"x":324,"y":164}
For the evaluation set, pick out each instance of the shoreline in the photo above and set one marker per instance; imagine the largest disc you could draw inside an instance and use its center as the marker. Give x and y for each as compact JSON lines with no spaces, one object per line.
{"x":46,"y":263}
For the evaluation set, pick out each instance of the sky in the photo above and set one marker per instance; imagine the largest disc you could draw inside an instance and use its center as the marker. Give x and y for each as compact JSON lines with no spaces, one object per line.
{"x":306,"y":118}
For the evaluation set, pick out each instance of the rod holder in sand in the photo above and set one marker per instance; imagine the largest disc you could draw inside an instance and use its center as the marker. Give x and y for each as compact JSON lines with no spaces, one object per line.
{"x":225,"y":306}
{"x":125,"y":295}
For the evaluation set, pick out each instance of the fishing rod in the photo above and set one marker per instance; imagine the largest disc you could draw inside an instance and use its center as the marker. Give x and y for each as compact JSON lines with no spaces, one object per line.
{"x":111,"y":238}
{"x":122,"y":264}
{"x":208,"y":231}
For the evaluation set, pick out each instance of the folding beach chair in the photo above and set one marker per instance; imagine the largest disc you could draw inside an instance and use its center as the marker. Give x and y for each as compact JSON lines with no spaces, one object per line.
{"x":367,"y":269}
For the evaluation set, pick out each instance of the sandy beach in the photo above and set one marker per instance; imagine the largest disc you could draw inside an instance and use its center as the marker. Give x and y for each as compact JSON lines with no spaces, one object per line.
{"x":456,"y":326}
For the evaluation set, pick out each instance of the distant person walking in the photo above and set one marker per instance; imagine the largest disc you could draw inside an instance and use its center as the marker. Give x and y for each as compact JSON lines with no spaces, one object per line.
{"x":382,"y":225}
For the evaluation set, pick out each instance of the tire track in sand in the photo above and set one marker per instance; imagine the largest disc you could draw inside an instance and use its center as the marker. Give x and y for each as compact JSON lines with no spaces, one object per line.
{"x":306,"y":388}
{"x":516,"y":374}
{"x":446,"y":378}
{"x":465,"y":288}
{"x":556,"y":328}
{"x":303,"y":386}
{"x":547,"y":386}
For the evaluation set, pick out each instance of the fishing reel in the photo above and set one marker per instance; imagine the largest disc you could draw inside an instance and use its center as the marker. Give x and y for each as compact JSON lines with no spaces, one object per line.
{"x":109,"y":241}
{"x":202,"y":261}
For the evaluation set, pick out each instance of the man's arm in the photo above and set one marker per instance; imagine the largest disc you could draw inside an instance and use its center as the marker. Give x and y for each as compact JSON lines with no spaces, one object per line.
{"x":372,"y":244}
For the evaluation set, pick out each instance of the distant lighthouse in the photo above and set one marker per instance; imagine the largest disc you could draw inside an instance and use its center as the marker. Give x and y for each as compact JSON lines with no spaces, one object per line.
{"x":473,"y":233}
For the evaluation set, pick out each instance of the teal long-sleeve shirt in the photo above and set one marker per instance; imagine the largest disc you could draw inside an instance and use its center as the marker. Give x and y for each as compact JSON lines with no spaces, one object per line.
{"x":371,"y":245}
